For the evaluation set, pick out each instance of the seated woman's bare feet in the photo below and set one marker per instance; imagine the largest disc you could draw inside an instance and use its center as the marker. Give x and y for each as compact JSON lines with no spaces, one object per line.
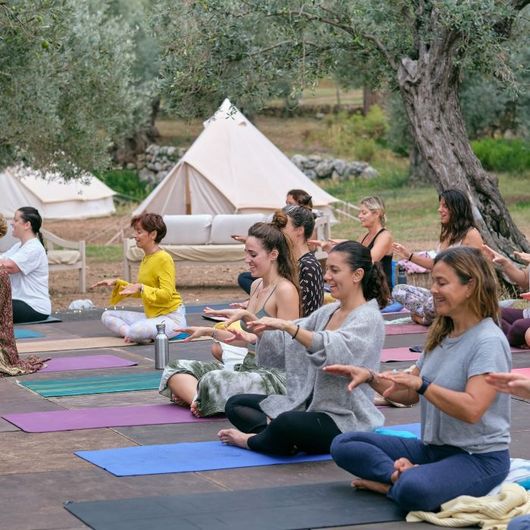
{"x":234,"y":437}
{"x":195,"y":410}
{"x":419,"y":320}
{"x":401,"y":465}
{"x":179,"y":401}
{"x":371,"y":485}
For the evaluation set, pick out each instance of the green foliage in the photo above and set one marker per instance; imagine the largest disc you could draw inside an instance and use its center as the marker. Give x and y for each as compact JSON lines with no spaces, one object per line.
{"x":66,"y":88}
{"x":512,"y":156}
{"x":126,"y":182}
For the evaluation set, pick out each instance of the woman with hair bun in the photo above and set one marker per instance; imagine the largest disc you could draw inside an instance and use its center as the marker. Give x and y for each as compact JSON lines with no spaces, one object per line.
{"x":205,"y":386}
{"x":27,"y":265}
{"x":155,"y":287}
{"x":315,"y":408}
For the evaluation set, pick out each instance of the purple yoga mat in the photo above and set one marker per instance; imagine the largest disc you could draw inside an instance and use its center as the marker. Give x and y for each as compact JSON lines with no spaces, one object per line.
{"x":86,"y":362}
{"x":398,"y":354}
{"x":404,"y":329}
{"x":95,"y":418}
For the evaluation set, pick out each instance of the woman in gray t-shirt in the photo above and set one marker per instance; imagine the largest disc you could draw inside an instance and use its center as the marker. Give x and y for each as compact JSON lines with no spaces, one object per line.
{"x":465,"y":422}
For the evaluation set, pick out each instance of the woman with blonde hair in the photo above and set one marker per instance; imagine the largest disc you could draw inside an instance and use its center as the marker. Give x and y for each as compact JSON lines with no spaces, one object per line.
{"x":465,"y":423}
{"x":378,"y":239}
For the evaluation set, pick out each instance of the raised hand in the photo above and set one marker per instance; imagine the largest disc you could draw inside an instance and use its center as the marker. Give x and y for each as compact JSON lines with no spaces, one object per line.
{"x":109,"y":282}
{"x":510,"y":383}
{"x":195,"y":332}
{"x":523,"y":256}
{"x":240,"y":335}
{"x":357,"y":374}
{"x":402,"y":251}
{"x":131,"y":288}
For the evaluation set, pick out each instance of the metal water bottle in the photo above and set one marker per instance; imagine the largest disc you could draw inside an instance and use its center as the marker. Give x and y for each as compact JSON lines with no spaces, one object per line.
{"x":161,"y":347}
{"x":402,"y":275}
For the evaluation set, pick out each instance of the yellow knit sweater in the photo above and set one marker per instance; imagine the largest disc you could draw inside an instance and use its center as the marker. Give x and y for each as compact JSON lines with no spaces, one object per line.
{"x":159,"y":294}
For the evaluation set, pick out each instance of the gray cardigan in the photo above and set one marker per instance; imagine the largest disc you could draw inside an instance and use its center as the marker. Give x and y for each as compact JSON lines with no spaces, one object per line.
{"x":357,"y":342}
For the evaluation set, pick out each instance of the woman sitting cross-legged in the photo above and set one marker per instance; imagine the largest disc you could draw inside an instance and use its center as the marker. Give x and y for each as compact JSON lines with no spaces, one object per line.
{"x":457,"y":228}
{"x":155,"y":287}
{"x":465,"y":423}
{"x":315,"y":408}
{"x":207,"y":385}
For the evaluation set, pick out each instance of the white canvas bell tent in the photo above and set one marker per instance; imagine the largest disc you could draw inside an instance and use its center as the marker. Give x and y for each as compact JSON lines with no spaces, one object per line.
{"x":230,"y":168}
{"x":52,"y":196}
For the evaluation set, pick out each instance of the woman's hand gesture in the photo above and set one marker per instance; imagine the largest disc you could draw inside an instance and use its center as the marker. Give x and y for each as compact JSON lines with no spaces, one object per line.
{"x":357,"y":374}
{"x":401,"y":380}
{"x":510,"y":383}
{"x":268,"y":324}
{"x":131,"y":288}
{"x":240,"y":335}
{"x":402,"y":251}
{"x":231,"y":315}
{"x":195,"y":332}
{"x":109,"y":282}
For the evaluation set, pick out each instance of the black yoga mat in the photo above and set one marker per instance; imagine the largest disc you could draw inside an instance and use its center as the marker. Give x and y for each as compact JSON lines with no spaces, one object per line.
{"x":280,"y":508}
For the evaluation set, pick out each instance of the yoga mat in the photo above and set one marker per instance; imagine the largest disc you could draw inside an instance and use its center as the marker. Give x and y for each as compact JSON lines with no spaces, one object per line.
{"x":398,"y":354}
{"x":27,"y":334}
{"x":83,"y":344}
{"x":394,"y":307}
{"x":523,"y":371}
{"x":404,"y":329}
{"x":49,"y":320}
{"x":96,"y":418}
{"x":184,"y":457}
{"x":405,"y":430}
{"x":329,"y":504}
{"x":94,"y":385}
{"x":520,"y":350}
{"x":194,"y":309}
{"x":86,"y":362}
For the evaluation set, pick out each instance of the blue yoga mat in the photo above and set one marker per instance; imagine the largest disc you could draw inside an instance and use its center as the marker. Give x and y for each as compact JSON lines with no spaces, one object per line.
{"x":27,"y":334}
{"x":394,"y":307}
{"x":102,"y":384}
{"x":406,"y":430}
{"x":184,"y":457}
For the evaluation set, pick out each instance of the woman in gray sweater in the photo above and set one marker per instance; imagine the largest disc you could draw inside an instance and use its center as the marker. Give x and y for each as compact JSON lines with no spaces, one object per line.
{"x":315,"y":408}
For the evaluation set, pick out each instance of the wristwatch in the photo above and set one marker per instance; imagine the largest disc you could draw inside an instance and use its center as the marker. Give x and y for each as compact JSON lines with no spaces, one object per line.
{"x":424,"y":386}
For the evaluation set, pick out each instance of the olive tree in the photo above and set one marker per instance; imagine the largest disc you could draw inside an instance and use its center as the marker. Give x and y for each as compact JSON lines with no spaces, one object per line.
{"x":66,"y":83}
{"x":421,"y":48}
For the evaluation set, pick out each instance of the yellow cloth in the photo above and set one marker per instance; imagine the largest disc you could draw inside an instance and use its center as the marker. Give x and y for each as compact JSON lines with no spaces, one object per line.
{"x":159,"y":295}
{"x":493,"y":512}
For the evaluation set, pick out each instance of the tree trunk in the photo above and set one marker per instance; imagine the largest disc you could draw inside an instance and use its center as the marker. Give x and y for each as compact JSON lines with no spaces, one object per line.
{"x":420,"y":172}
{"x":429,"y":88}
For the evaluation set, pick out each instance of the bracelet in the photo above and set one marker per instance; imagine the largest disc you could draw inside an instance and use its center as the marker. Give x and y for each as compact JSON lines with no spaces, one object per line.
{"x":296,"y":332}
{"x":424,"y":386}
{"x":411,"y":256}
{"x":370,"y":380}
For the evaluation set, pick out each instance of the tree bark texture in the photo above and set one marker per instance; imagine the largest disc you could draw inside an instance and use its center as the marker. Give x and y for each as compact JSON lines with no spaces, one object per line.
{"x":429,"y":88}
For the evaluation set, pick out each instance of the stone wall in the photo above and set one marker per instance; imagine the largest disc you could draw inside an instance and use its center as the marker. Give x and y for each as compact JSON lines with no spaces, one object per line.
{"x":158,"y":160}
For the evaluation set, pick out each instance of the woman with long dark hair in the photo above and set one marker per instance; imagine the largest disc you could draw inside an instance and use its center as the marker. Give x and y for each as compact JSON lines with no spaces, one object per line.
{"x":465,"y":423}
{"x":315,"y":408}
{"x":27,"y":265}
{"x":205,"y":386}
{"x":457,"y":228}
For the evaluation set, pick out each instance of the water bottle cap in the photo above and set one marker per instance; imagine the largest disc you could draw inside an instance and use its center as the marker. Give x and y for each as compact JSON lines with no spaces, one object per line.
{"x":161,"y":327}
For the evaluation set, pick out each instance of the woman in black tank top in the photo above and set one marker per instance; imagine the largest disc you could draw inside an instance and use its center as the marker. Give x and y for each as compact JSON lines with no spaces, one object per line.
{"x":378,"y":239}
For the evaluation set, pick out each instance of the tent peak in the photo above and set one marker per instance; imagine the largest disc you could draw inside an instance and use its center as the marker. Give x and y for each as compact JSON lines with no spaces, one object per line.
{"x":227,"y":111}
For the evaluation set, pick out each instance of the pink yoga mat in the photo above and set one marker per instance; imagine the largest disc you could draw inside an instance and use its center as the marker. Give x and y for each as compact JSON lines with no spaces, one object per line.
{"x":398,"y":354}
{"x":404,"y":329}
{"x":86,"y":362}
{"x":95,"y":418}
{"x":523,"y":371}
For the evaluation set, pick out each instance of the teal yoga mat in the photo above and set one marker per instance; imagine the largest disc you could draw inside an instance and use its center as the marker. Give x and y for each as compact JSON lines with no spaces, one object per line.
{"x":27,"y":334}
{"x":102,"y":384}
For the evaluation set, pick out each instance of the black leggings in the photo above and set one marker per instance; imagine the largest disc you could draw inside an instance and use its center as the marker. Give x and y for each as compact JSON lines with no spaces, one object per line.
{"x":290,"y":432}
{"x":22,"y":312}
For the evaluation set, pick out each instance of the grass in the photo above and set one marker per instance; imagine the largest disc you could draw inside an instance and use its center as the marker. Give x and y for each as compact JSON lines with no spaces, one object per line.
{"x":104,"y":253}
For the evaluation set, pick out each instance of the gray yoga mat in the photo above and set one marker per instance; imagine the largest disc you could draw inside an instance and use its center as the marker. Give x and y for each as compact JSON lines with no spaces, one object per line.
{"x":279,"y":508}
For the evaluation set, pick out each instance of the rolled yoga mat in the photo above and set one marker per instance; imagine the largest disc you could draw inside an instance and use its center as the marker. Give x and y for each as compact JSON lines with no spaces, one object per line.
{"x":404,"y":329}
{"x":100,"y":417}
{"x":85,"y":362}
{"x":329,"y":504}
{"x":94,"y":385}
{"x":184,"y":457}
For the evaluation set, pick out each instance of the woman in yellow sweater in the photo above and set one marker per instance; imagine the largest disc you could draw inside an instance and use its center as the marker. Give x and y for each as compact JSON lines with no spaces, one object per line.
{"x":155,"y":286}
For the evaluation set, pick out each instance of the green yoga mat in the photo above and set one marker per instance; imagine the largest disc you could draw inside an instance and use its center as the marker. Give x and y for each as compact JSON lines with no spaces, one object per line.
{"x":102,"y":384}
